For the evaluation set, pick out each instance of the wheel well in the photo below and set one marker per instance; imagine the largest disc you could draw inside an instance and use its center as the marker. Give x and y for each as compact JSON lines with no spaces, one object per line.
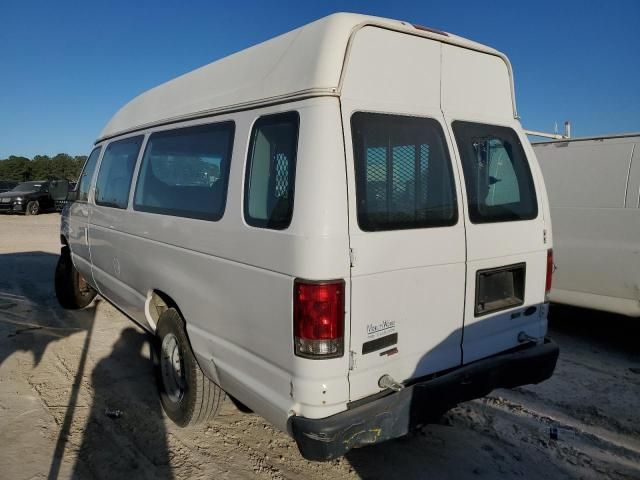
{"x":158,"y":303}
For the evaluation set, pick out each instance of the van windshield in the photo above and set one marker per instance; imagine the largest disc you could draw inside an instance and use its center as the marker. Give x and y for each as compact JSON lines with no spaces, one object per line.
{"x":496,"y":172}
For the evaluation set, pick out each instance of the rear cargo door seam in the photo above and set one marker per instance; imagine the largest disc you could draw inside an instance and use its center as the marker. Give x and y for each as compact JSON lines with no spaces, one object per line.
{"x":462,"y":205}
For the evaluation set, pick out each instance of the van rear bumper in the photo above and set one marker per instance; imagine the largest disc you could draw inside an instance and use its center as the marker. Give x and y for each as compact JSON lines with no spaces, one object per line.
{"x":395,"y":414}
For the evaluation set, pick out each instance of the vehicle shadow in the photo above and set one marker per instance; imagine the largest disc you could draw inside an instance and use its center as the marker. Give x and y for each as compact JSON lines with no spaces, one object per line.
{"x":596,"y":328}
{"x":455,"y":441}
{"x":124,"y":433}
{"x":30,"y":318}
{"x":31,"y":321}
{"x":490,"y":439}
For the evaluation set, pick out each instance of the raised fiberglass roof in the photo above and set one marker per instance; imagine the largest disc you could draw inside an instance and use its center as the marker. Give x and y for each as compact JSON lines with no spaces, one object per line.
{"x":305,"y":62}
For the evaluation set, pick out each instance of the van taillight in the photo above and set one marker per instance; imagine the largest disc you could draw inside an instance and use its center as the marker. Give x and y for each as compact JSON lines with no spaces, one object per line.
{"x":547,"y":285}
{"x":318,"y":318}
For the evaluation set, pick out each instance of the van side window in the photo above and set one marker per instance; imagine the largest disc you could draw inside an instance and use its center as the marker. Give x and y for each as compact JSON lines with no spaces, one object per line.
{"x":270,"y":175}
{"x":116,"y":172}
{"x":496,"y":172}
{"x":403,"y":172}
{"x":185,"y":172}
{"x":87,"y":174}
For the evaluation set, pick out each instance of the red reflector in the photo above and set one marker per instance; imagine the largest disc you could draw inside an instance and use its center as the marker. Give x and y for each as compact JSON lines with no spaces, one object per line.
{"x":318,"y":318}
{"x":547,"y":286}
{"x":428,"y":29}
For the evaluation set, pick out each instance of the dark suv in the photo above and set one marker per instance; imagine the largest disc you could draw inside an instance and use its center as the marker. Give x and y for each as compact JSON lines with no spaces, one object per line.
{"x":29,"y":198}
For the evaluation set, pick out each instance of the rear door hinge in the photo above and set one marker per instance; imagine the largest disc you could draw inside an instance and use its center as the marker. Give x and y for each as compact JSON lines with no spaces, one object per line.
{"x":544,"y":236}
{"x":352,"y":257}
{"x":352,"y":359}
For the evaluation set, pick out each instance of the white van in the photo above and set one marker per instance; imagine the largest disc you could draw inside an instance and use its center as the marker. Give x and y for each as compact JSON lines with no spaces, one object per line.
{"x":344,"y":228}
{"x":594,"y":191}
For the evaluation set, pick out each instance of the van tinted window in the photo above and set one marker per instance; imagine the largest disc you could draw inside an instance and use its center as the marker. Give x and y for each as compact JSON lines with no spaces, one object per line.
{"x":116,"y":172}
{"x":87,"y":174}
{"x":403,"y":173}
{"x":496,"y":172}
{"x":185,"y":172}
{"x":270,"y":175}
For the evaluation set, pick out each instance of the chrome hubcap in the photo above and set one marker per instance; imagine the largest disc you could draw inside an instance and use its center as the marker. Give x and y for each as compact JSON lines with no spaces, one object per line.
{"x":171,"y":367}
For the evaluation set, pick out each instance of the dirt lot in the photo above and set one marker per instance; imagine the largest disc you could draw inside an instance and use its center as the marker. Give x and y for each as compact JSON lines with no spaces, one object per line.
{"x":62,"y":372}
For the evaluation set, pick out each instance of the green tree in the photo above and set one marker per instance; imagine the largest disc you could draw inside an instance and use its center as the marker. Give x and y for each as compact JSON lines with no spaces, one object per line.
{"x":42,"y":167}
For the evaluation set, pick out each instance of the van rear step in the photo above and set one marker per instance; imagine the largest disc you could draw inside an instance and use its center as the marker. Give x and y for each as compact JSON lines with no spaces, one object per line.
{"x":394,"y":415}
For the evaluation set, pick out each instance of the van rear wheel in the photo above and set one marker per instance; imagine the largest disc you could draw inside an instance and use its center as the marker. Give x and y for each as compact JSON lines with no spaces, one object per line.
{"x":187,"y":395}
{"x":72,"y":290}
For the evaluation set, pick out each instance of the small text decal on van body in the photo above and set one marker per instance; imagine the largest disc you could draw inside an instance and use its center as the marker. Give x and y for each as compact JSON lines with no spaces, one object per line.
{"x":379,"y":329}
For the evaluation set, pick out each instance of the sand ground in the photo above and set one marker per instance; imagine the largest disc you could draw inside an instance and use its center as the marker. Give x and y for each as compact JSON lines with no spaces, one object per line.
{"x":60,"y":372}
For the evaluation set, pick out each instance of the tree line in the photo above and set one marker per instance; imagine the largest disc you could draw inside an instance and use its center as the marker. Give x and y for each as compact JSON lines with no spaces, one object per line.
{"x":41,"y":167}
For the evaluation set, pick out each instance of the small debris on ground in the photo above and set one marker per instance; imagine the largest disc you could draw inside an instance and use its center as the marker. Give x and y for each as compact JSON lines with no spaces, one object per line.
{"x":113,"y":412}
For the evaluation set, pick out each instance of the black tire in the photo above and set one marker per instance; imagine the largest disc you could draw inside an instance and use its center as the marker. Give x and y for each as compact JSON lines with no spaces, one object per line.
{"x":187,"y":395}
{"x":33,"y":208}
{"x":72,"y":290}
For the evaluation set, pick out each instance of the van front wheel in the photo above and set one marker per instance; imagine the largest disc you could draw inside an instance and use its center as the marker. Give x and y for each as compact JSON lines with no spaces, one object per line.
{"x":72,"y":290}
{"x":187,"y":395}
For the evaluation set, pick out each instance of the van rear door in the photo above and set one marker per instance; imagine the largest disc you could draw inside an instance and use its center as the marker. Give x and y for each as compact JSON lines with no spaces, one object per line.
{"x":406,"y":227}
{"x":506,"y":255}
{"x":507,"y":241}
{"x":408,"y":244}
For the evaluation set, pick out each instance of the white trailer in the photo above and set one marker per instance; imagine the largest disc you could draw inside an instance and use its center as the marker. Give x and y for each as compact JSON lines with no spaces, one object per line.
{"x":594,"y":193}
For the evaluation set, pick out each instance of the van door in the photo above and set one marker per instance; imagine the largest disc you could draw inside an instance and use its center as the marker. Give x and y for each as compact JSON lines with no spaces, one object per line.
{"x":79,"y":213}
{"x":506,"y":251}
{"x":406,"y":231}
{"x":112,"y":190}
{"x":505,"y":202}
{"x":408,"y":251}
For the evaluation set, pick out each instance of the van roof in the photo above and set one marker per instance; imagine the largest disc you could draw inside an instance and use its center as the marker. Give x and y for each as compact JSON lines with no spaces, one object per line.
{"x":302,"y":63}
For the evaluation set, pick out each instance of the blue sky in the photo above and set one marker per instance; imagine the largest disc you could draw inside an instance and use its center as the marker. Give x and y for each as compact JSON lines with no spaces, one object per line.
{"x":66,"y":67}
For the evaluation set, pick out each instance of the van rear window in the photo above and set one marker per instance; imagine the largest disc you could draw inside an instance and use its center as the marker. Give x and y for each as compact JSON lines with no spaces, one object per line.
{"x":404,"y":177}
{"x":496,"y":172}
{"x":185,"y":172}
{"x":271,"y":170}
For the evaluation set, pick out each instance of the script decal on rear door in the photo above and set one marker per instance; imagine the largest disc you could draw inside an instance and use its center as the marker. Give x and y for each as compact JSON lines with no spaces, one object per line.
{"x":381,"y":336}
{"x":381,"y":329}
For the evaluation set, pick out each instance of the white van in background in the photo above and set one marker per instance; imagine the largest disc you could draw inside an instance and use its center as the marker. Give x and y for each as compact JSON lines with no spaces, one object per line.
{"x":344,"y":228}
{"x":594,"y":192}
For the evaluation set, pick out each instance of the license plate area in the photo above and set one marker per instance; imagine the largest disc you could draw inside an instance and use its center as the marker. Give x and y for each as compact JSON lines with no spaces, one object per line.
{"x":499,"y":288}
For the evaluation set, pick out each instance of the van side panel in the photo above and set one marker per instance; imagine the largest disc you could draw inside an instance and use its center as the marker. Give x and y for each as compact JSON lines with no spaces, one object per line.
{"x":596,"y":238}
{"x":586,"y":174}
{"x":234,"y":283}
